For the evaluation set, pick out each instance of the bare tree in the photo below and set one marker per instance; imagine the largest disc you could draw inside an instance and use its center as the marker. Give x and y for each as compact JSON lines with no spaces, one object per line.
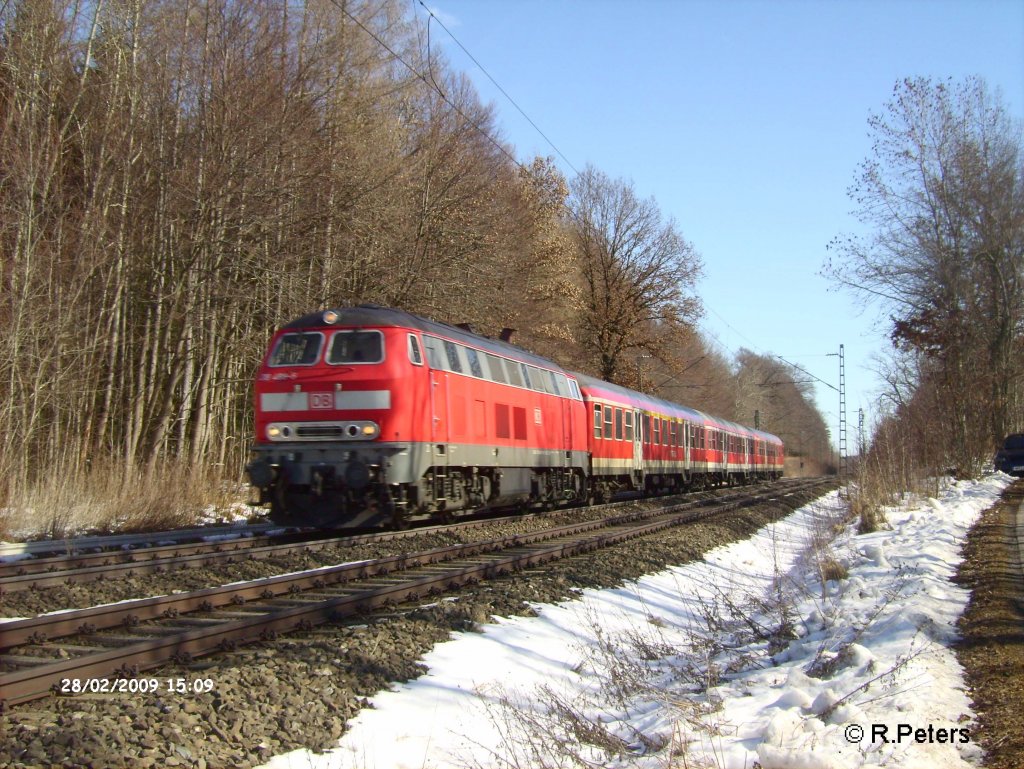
{"x":783,"y":401}
{"x":636,"y":270}
{"x":944,"y":194}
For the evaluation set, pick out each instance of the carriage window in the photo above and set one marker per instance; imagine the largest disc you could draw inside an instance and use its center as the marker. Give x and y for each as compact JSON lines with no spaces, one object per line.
{"x":560,"y":384}
{"x":539,"y":380}
{"x":297,"y":349}
{"x":618,"y":424}
{"x":657,"y":431}
{"x":452,"y":354}
{"x":515,"y":375}
{"x":526,"y":376}
{"x":674,"y":438}
{"x":415,"y":356}
{"x":629,"y":424}
{"x":474,"y":362}
{"x":497,"y":368}
{"x":647,"y":428}
{"x":608,"y":422}
{"x":356,"y":347}
{"x":597,"y":421}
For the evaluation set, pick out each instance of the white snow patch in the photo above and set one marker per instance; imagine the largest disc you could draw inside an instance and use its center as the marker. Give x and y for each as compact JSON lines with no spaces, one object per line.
{"x":869,"y":652}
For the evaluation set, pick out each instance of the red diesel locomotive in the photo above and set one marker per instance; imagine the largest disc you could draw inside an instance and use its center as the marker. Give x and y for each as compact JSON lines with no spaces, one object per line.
{"x":369,"y":415}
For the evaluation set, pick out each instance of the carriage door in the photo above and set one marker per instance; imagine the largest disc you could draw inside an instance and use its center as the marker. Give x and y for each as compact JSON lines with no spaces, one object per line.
{"x":439,"y":437}
{"x":566,"y":405}
{"x":638,"y":443}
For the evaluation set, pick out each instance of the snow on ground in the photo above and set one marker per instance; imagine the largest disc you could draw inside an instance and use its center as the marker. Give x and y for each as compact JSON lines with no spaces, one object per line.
{"x":743,"y":657}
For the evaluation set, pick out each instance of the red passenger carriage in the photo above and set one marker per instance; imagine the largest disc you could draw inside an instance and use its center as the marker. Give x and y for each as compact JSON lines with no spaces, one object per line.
{"x":650,"y":444}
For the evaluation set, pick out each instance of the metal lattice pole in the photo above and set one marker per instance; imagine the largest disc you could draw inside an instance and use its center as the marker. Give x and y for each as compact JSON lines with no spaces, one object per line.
{"x":843,"y":469}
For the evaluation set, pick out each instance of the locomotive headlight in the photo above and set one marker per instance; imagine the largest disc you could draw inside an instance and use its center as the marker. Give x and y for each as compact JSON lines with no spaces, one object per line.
{"x":278,"y":431}
{"x":330,"y":317}
{"x":369,"y":431}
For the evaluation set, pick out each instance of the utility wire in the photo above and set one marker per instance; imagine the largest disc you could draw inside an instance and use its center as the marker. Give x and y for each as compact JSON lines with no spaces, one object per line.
{"x":498,"y":86}
{"x":428,"y":82}
{"x":432,"y":84}
{"x":779,"y":357}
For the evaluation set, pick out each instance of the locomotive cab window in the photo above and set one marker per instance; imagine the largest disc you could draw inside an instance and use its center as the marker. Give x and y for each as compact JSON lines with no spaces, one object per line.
{"x":415,"y":356}
{"x":302,"y":349}
{"x":433,"y":347}
{"x":356,"y":347}
{"x":559,"y":384}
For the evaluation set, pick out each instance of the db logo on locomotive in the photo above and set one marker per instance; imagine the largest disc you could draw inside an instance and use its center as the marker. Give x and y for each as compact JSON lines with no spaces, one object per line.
{"x":321,"y":400}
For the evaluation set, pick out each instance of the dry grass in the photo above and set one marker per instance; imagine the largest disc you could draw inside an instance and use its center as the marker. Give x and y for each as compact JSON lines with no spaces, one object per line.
{"x":111,"y":498}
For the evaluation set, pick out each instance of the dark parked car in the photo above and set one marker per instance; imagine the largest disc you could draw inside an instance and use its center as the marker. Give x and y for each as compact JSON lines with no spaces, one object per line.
{"x":1010,"y":458}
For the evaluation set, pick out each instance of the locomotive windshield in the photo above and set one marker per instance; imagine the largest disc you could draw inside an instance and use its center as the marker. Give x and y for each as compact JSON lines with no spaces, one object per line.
{"x":300,"y":349}
{"x":356,"y":347}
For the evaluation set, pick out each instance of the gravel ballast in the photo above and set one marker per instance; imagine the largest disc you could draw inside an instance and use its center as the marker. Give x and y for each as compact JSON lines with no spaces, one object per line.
{"x":299,"y":690}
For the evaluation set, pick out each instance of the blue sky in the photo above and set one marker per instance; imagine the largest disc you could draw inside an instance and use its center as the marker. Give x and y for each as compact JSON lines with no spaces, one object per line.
{"x":745,"y":120}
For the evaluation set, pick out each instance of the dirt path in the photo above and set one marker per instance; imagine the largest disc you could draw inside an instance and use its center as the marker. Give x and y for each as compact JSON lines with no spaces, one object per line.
{"x":992,"y":648}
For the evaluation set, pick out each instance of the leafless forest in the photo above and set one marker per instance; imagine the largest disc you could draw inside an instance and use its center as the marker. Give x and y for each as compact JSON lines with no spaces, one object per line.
{"x":942,"y":195}
{"x":178,"y":177}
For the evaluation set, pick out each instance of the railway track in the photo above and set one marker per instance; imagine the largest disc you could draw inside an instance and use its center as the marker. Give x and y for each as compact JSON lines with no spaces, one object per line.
{"x":110,"y":645}
{"x":11,"y":551}
{"x":88,"y":567}
{"x":91,"y":560}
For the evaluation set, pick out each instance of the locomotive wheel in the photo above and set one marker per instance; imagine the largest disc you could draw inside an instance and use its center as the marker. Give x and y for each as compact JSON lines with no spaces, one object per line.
{"x":396,"y":513}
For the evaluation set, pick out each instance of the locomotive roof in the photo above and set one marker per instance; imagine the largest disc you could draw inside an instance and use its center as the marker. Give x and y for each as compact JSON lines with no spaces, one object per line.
{"x":695,"y":415}
{"x":376,"y":316}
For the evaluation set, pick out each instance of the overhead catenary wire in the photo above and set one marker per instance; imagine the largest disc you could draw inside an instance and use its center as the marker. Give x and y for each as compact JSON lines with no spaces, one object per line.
{"x":773,"y":355}
{"x":498,"y":86}
{"x":428,"y":81}
{"x":431,"y":83}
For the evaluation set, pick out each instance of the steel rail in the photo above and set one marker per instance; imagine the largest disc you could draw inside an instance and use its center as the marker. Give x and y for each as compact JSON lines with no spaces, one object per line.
{"x":531,"y":549}
{"x":75,"y":565}
{"x":53,"y":625}
{"x":81,"y":544}
{"x":79,"y":568}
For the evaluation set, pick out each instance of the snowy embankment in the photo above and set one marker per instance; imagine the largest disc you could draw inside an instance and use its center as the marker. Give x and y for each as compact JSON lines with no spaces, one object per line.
{"x":743,"y":657}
